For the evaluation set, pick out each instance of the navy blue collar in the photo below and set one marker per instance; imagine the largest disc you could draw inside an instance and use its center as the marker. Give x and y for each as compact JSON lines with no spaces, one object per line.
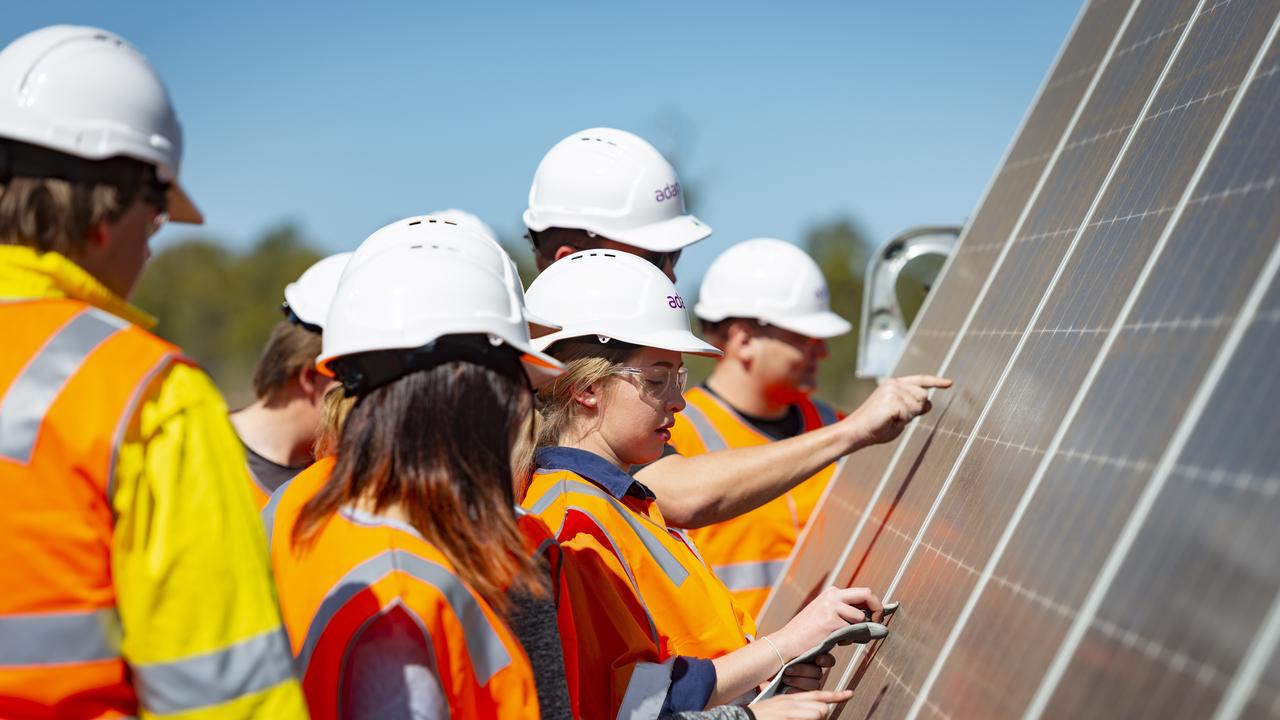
{"x":594,"y":468}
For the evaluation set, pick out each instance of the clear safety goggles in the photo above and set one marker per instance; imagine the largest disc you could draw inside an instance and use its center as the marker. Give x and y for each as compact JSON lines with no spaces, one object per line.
{"x":658,"y":381}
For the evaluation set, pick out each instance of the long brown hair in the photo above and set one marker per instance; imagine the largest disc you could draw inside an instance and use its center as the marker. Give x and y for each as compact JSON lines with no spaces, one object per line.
{"x":438,"y":443}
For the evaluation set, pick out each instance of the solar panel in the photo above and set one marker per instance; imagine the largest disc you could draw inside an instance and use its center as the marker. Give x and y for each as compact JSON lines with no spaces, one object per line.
{"x":1088,"y":524}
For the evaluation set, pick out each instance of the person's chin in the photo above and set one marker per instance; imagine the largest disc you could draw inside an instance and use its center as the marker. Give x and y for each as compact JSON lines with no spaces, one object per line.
{"x":648,"y":453}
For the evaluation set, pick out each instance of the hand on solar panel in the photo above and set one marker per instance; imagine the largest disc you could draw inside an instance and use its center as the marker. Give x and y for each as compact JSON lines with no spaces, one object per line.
{"x":808,"y":675}
{"x":800,"y":706}
{"x":809,"y":667}
{"x":833,"y":609}
{"x":895,"y":403}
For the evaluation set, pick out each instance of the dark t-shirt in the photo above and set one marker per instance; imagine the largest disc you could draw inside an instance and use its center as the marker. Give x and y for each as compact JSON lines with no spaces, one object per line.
{"x":267,"y":474}
{"x":787,"y":426}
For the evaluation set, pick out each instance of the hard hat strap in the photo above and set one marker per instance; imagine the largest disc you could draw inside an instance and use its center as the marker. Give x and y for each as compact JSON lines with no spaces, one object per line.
{"x":363,"y":372}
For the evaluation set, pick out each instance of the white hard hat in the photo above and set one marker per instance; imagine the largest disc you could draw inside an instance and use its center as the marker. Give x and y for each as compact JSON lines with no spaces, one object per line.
{"x":458,"y":235}
{"x":407,"y":297}
{"x":613,"y":295}
{"x":462,"y":217}
{"x":89,"y":93}
{"x":308,"y":298}
{"x":616,"y":185}
{"x":772,"y":281}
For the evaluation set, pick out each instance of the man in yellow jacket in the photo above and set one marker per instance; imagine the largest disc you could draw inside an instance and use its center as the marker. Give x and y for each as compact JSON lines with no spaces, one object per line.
{"x":136,"y":580}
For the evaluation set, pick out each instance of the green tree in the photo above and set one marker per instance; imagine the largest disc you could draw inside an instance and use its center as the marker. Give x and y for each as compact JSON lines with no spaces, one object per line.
{"x":219,"y":306}
{"x":842,"y":252}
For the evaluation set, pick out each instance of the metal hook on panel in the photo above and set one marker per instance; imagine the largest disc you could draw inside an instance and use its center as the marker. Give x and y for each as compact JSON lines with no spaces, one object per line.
{"x":884,"y":330}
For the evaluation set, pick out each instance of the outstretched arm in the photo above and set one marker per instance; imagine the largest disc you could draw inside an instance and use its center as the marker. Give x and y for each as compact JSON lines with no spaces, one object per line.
{"x":705,"y":489}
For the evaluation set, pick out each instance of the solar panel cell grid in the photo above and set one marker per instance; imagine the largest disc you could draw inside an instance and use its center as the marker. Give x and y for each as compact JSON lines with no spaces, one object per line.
{"x":1072,"y":542}
{"x":1060,"y":543}
{"x":951,"y":300}
{"x":943,"y":578}
{"x":1180,"y":555}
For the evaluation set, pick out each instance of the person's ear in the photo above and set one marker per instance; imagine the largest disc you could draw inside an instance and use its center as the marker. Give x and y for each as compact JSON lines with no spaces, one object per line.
{"x":313,"y":384}
{"x":741,"y":340}
{"x":564,"y":251}
{"x":99,"y":236}
{"x":590,"y":395}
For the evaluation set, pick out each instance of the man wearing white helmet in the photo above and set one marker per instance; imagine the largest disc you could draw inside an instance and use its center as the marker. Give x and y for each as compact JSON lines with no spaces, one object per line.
{"x":279,"y":428}
{"x":609,"y":189}
{"x":765,"y":302}
{"x":136,"y":576}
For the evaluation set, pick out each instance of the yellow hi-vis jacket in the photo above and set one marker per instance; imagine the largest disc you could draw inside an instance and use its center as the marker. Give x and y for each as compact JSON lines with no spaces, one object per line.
{"x":136,"y":579}
{"x":749,"y":551}
{"x":649,"y":613}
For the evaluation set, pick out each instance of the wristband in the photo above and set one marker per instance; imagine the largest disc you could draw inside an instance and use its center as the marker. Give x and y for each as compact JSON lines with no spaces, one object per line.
{"x":781,"y":661}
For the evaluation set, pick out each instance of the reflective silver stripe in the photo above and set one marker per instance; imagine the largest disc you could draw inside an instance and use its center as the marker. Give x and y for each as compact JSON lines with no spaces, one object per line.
{"x":132,"y":407}
{"x":59,"y":638}
{"x":247,"y":667}
{"x":750,"y":575}
{"x":646,"y":691}
{"x":674,"y":569}
{"x":484,"y":646}
{"x":626,"y":567}
{"x":268,"y":513}
{"x":688,"y":541}
{"x":826,"y":413}
{"x":706,"y":431}
{"x":23,"y":407}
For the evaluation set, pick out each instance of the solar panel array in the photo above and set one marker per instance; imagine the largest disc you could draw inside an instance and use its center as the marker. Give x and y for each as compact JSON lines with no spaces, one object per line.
{"x":1088,"y":524}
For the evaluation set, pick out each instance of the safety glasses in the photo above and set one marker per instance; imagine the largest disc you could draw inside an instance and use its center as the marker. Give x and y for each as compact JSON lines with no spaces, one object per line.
{"x":657,"y":381}
{"x":660,"y":259}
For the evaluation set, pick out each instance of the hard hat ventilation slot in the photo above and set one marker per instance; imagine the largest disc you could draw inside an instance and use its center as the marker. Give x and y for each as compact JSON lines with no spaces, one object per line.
{"x":416,"y":222}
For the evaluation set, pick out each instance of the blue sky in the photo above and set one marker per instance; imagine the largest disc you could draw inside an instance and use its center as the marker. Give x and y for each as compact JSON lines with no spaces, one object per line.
{"x":341,"y":117}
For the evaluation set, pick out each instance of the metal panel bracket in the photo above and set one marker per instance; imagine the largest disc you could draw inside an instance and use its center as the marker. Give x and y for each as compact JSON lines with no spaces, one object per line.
{"x":884,"y":330}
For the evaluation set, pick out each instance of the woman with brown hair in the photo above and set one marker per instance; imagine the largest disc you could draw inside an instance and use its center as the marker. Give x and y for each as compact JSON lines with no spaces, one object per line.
{"x":397,"y":557}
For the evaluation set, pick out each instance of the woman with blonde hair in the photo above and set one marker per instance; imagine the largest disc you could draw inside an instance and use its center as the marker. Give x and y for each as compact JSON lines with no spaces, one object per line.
{"x":656,"y":631}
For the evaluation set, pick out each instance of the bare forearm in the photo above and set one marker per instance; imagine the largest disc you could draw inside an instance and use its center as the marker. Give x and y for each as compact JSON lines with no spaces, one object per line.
{"x":742,"y":670}
{"x":714,"y":487}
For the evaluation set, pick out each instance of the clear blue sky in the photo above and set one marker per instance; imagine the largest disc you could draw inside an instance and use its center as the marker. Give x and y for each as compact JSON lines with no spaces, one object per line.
{"x":344,"y":116}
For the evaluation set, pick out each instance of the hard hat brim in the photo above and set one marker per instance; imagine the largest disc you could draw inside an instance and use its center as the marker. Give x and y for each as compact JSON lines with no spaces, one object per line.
{"x":667,"y":236}
{"x":181,"y":208}
{"x":822,"y":325}
{"x":681,"y":341}
{"x":540,"y":367}
{"x":538,"y":325}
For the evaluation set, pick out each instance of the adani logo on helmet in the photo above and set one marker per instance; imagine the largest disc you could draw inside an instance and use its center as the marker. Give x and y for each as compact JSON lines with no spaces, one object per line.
{"x":670,"y":192}
{"x":675,"y":302}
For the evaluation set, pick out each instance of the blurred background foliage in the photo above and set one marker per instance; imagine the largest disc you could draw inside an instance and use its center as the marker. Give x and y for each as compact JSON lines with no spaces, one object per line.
{"x":219,"y":305}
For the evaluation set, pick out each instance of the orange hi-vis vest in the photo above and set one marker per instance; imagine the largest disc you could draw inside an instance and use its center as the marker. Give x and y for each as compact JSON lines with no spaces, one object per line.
{"x":70,"y":378}
{"x":540,"y":541}
{"x":359,"y":566}
{"x":749,"y":551}
{"x":642,"y":598}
